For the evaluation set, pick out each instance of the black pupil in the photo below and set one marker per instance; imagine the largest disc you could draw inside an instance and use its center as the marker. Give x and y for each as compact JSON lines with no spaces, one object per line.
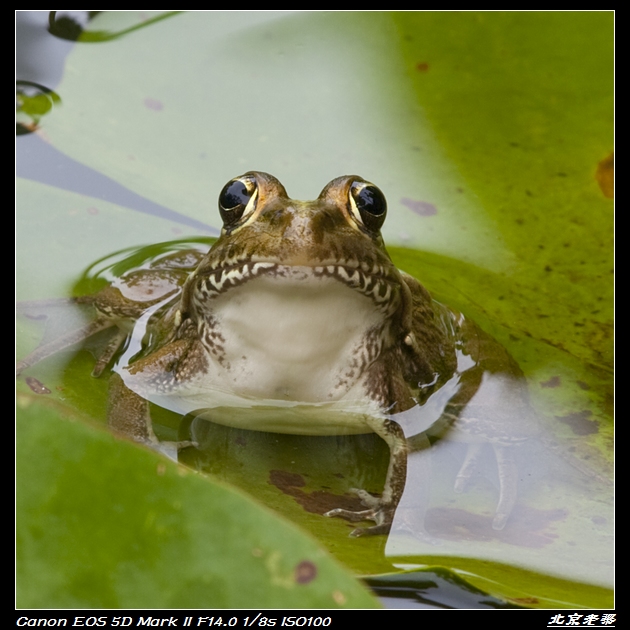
{"x":234,"y":194}
{"x":370,"y":199}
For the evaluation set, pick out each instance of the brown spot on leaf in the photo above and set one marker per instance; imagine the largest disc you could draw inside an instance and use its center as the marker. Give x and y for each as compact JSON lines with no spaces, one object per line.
{"x":423,"y":208}
{"x":583,"y":385}
{"x":422,"y":66}
{"x":284,"y":480}
{"x":316,"y":502}
{"x":36,"y":386}
{"x":554,"y":381}
{"x":305,"y":572}
{"x":605,"y":176}
{"x":154,"y":104}
{"x":580,"y":423}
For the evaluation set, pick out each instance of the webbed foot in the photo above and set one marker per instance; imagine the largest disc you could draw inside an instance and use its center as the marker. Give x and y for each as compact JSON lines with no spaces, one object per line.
{"x":378,"y":510}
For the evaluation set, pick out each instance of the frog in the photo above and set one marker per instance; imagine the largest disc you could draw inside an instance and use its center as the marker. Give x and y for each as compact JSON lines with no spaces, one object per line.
{"x":297,"y":321}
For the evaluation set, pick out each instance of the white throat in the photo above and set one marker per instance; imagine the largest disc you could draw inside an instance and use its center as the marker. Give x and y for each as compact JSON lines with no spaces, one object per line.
{"x":295,"y":336}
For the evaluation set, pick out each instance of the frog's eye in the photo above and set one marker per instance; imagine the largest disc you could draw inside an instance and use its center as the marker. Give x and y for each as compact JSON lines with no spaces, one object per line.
{"x":237,"y":199}
{"x":368,"y":205}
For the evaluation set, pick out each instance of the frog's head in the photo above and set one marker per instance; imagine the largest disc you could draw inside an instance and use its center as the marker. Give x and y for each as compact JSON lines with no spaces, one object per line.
{"x":265,"y":233}
{"x":298,"y":283}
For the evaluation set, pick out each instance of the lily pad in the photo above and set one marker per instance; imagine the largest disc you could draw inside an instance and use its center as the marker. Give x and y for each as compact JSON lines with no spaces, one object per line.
{"x":105,"y":524}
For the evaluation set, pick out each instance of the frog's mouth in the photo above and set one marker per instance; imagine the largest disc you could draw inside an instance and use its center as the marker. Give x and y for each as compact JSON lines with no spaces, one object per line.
{"x":372,"y":280}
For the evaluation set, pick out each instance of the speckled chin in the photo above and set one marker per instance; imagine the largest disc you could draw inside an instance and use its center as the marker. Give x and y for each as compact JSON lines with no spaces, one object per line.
{"x":372,"y":281}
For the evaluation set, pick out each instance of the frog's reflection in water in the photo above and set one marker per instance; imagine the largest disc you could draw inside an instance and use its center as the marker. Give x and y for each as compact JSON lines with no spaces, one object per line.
{"x":471,"y":448}
{"x":484,"y":484}
{"x":479,"y":438}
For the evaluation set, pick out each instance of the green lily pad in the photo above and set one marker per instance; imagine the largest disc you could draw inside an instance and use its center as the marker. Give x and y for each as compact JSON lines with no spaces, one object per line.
{"x":105,"y":524}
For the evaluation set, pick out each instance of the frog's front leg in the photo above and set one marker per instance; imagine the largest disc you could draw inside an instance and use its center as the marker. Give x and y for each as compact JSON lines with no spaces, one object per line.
{"x":381,"y":510}
{"x":128,"y":411}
